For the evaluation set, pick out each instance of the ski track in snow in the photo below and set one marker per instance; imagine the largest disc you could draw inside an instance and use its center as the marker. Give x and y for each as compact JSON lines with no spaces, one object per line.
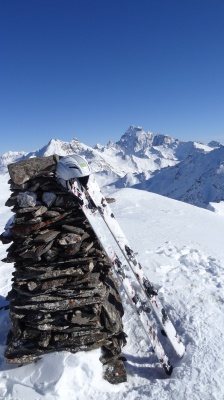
{"x":187,"y":270}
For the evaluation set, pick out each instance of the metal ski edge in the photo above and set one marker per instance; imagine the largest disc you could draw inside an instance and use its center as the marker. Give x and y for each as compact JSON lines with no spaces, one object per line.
{"x":92,"y":216}
{"x":100,"y":202}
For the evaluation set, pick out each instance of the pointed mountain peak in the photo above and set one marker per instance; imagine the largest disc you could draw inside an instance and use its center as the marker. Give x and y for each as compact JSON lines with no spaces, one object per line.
{"x":132,"y":130}
{"x":137,"y":141}
{"x":136,"y":132}
{"x":135,"y":138}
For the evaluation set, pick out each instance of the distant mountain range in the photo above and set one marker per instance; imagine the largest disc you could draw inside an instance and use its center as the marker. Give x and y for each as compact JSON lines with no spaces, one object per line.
{"x":188,"y":171}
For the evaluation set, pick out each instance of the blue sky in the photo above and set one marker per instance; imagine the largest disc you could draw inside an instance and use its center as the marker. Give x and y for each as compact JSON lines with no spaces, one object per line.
{"x":91,"y":68}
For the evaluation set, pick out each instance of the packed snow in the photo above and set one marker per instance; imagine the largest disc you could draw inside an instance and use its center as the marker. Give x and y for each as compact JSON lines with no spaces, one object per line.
{"x":181,"y":250}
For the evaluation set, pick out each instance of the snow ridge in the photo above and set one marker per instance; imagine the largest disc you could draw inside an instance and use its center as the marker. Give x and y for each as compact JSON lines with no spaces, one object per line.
{"x":187,"y":171}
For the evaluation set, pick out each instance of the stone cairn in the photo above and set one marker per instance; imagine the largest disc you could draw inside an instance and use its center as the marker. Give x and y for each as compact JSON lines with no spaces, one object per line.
{"x":64,"y":296}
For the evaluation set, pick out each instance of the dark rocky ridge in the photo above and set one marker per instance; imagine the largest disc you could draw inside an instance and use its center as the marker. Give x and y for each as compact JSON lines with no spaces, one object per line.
{"x":63,"y":296}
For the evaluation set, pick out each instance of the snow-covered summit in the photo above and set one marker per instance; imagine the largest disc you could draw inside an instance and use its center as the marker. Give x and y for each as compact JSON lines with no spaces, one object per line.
{"x":56,"y":146}
{"x":139,"y":142}
{"x":135,"y":141}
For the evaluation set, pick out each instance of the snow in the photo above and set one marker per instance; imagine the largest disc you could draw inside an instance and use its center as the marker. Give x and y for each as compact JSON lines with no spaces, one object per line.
{"x":217,"y":207}
{"x":202,"y":146}
{"x":186,"y":171}
{"x":181,"y":250}
{"x":198,"y":179}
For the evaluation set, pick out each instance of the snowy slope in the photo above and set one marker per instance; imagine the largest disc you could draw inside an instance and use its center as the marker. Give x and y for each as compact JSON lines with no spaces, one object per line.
{"x":197,"y":180}
{"x":181,"y":249}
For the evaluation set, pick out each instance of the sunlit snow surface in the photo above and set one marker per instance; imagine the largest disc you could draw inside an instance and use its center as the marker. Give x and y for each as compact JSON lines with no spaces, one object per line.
{"x":181,"y":249}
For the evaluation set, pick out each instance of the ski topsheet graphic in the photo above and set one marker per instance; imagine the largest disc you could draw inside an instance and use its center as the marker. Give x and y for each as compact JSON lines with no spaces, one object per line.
{"x":141,"y":294}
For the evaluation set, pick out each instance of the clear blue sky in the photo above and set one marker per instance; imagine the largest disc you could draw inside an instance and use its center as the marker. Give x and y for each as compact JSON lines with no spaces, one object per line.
{"x":91,"y":68}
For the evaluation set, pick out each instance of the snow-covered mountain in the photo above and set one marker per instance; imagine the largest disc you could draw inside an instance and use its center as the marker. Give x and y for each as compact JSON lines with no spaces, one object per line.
{"x":197,"y":180}
{"x":187,"y":171}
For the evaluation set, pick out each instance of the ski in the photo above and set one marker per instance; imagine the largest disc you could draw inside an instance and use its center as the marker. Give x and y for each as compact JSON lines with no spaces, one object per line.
{"x":103,"y":207}
{"x":122,"y":270}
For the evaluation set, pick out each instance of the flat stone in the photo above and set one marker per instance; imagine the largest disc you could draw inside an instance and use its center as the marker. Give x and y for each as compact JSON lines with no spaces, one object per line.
{"x":85,"y":339}
{"x":22,"y":171}
{"x":75,"y":229}
{"x":25,"y":230}
{"x":12,"y":201}
{"x":27,"y":210}
{"x":67,"y":304}
{"x":44,"y":248}
{"x":49,"y":272}
{"x":40,"y":211}
{"x":87,"y":246}
{"x":36,"y":252}
{"x":51,"y":214}
{"x":34,"y":220}
{"x":47,"y":236}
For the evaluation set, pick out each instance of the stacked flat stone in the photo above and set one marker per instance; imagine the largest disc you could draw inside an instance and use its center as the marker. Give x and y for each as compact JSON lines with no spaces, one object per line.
{"x":63,"y":295}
